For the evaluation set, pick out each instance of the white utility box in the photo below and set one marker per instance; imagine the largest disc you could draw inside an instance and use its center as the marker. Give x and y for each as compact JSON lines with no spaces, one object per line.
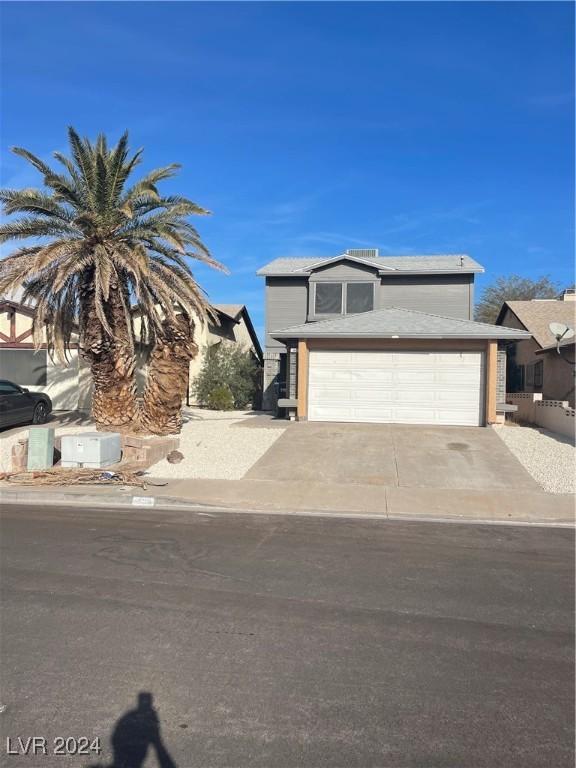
{"x":91,"y":449}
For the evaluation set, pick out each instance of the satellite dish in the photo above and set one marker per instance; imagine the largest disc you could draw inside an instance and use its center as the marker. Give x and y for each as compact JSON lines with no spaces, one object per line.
{"x":561,"y":332}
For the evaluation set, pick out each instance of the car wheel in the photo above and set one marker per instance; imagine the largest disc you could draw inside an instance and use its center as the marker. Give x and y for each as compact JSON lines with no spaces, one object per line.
{"x":40,"y":414}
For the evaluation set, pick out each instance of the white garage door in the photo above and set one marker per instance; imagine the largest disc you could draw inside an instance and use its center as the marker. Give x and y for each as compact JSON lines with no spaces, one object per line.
{"x":396,"y":387}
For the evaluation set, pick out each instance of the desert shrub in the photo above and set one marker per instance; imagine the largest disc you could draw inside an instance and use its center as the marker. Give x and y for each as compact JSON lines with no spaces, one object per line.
{"x":220,"y":399}
{"x":227,"y":366}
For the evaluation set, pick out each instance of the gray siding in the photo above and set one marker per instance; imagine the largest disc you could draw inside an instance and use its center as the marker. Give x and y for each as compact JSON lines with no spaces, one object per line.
{"x":344,"y":271}
{"x":269,"y":380}
{"x":286,"y":305}
{"x":289,"y":302}
{"x":447,"y":295}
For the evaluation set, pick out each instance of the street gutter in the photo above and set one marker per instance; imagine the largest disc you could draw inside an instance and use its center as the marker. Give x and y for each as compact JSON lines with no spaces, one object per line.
{"x":141,"y":503}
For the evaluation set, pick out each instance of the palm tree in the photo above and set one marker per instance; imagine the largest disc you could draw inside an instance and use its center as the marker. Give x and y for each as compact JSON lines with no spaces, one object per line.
{"x":99,"y":244}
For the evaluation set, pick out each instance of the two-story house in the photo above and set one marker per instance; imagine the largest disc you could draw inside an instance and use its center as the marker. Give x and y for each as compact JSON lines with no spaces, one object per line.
{"x":366,"y":338}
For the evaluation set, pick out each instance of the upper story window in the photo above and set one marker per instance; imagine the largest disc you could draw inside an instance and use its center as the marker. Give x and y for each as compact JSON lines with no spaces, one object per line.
{"x":328,"y":299}
{"x":359,"y":297}
{"x":343,"y":298}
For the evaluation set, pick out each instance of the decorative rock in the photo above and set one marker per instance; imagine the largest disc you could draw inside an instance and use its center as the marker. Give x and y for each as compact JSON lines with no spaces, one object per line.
{"x":174,"y":457}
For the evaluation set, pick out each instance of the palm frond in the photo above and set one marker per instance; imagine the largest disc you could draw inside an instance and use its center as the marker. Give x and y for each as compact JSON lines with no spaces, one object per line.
{"x":30,"y":226}
{"x":40,"y":165}
{"x":33,"y":201}
{"x":102,"y":237}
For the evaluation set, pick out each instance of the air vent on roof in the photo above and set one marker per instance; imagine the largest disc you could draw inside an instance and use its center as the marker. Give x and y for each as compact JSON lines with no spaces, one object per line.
{"x":363,"y":253}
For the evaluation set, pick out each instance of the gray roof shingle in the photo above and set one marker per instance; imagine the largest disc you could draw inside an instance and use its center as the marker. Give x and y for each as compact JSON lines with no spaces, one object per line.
{"x":404,"y":323}
{"x":438,"y":263}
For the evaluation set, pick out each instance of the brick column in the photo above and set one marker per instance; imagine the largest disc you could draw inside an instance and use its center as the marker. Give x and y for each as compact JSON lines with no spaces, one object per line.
{"x":501,"y":374}
{"x":292,"y":388}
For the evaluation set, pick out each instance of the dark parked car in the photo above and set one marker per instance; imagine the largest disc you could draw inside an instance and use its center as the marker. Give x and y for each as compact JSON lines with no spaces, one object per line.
{"x":19,"y":406}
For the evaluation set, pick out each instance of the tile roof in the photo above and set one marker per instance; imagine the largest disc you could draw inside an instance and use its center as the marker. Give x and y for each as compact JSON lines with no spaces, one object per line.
{"x":536,"y":316}
{"x":405,"y":323}
{"x":434,"y":263}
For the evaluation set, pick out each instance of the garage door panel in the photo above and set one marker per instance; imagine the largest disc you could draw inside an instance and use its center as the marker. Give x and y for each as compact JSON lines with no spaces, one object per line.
{"x":351,"y":414}
{"x":400,"y":387}
{"x":327,"y":376}
{"x":462,"y":358}
{"x":418,"y":373}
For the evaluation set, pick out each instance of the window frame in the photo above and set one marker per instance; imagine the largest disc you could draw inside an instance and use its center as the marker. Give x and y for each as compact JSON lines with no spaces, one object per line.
{"x":360,"y":282}
{"x":342,"y":292}
{"x":538,"y":375}
{"x":343,"y":296}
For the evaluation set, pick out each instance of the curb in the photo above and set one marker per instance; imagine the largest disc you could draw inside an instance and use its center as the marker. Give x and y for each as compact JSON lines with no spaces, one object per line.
{"x":171,"y":504}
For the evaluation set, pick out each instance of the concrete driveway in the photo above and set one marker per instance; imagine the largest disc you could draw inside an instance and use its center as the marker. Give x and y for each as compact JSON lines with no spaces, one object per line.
{"x":393,"y":455}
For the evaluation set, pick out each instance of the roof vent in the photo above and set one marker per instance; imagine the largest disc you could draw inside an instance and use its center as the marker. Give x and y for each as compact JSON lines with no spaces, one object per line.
{"x":363,"y":253}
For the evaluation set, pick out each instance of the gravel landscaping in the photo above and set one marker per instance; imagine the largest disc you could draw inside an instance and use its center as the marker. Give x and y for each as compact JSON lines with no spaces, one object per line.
{"x":214,"y":449}
{"x":212,"y":445}
{"x":550,"y":458}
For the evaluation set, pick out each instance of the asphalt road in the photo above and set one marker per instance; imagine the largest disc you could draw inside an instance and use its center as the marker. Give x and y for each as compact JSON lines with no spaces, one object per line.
{"x":281,"y":642}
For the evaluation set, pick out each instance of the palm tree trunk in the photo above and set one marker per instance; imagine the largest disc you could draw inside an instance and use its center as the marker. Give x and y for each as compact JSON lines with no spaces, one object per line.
{"x":111,"y":359}
{"x":167,"y":379}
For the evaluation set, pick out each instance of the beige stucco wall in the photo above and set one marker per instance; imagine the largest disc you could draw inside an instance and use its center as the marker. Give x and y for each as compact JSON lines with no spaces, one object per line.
{"x":526,"y":349}
{"x":62,"y":385}
{"x":5,"y":323}
{"x":555,"y":415}
{"x":70,"y":387}
{"x":558,"y":376}
{"x":23,"y":323}
{"x":242,"y":335}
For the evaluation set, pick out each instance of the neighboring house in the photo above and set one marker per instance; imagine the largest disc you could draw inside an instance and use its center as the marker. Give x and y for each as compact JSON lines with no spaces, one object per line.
{"x":232,"y":325}
{"x":67,"y":386}
{"x":536,"y":364}
{"x":364,"y":338}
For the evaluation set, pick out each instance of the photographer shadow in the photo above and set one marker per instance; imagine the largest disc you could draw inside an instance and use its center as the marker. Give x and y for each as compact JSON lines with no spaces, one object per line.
{"x":135,"y":734}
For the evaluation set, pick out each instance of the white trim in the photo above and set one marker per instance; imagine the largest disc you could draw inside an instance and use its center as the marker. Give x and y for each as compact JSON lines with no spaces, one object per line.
{"x":343,"y":257}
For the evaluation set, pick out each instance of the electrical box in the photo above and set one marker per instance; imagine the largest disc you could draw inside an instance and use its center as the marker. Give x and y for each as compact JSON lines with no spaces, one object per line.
{"x":40,"y":448}
{"x":91,"y":449}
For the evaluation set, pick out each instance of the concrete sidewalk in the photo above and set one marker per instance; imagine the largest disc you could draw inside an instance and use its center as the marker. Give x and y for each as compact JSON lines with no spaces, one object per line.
{"x":317,"y":498}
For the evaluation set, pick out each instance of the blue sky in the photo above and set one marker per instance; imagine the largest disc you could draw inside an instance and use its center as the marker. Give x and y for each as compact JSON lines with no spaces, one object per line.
{"x":307,"y":128}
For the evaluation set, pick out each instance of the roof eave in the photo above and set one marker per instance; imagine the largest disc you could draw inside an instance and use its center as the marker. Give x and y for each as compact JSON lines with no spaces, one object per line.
{"x":392,"y":272}
{"x":400,"y":336}
{"x":252,"y":332}
{"x":455,"y":271}
{"x":554,"y":347}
